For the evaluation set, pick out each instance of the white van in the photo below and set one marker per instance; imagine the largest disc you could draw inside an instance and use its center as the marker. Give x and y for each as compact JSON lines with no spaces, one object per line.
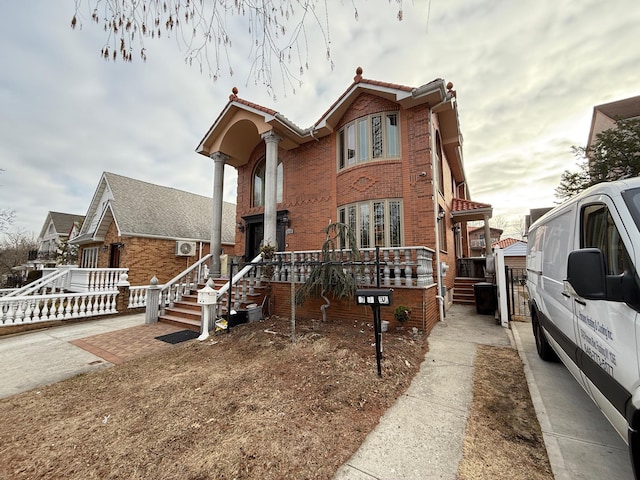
{"x":584,"y":294}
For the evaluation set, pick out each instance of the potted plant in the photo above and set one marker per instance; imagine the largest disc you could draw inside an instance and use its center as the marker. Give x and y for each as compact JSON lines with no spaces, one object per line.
{"x":268,"y":253}
{"x":402,"y":313}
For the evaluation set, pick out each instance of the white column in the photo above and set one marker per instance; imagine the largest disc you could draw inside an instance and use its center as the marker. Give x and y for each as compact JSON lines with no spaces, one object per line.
{"x":219,"y":160}
{"x":270,"y":188}
{"x":487,"y":236}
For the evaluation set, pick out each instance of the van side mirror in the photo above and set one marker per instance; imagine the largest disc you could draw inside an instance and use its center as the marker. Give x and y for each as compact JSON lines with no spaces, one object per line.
{"x":586,"y":273}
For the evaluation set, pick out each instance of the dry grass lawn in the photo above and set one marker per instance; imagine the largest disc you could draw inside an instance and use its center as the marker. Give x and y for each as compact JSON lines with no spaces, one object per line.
{"x":250,"y":405}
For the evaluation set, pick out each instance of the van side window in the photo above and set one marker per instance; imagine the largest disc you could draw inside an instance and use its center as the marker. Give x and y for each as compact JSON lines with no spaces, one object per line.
{"x":599,"y":231}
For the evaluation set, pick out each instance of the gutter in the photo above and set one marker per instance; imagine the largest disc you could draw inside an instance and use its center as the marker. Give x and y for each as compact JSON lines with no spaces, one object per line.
{"x":434,"y":192}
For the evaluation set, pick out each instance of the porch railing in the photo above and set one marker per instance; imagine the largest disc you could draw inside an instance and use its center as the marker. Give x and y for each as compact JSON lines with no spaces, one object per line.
{"x":402,"y":266}
{"x":473,"y":267}
{"x":89,"y":279}
{"x":183,"y":283}
{"x":59,"y":306}
{"x":50,"y":280}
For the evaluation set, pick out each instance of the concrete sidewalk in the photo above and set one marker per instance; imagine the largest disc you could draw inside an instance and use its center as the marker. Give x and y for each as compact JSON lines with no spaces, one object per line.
{"x":420,"y":437}
{"x":42,"y":357}
{"x":581,"y":443}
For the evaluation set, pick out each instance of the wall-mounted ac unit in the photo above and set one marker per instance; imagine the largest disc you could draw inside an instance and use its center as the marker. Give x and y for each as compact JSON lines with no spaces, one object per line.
{"x":185,"y":249}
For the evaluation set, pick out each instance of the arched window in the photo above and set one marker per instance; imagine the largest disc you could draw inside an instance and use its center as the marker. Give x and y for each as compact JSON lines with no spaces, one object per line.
{"x":259,"y":183}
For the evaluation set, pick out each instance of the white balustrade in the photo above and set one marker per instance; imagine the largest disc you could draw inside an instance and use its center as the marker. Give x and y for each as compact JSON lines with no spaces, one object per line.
{"x":402,"y":266}
{"x":138,"y":296}
{"x":60,"y":306}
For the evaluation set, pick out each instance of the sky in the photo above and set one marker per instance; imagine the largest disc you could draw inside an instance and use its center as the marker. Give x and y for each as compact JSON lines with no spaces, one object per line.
{"x":527,"y":75}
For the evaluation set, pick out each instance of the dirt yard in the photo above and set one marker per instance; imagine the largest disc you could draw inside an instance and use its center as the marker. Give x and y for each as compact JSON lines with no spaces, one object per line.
{"x":252,"y":405}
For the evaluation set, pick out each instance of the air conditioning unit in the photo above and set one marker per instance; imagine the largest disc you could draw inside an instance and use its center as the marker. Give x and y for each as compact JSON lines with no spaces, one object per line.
{"x":185,"y":249}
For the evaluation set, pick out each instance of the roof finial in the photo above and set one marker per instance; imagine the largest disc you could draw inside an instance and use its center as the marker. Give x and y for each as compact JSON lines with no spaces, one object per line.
{"x":234,"y":94}
{"x":450,"y":89}
{"x":358,"y":76}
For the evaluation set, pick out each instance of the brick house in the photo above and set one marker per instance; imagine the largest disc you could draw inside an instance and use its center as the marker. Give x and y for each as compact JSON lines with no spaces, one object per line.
{"x":477,"y":244}
{"x":150,"y":229}
{"x":385,"y":159}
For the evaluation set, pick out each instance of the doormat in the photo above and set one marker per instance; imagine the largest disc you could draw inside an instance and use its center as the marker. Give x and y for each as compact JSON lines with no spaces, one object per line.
{"x":178,"y":337}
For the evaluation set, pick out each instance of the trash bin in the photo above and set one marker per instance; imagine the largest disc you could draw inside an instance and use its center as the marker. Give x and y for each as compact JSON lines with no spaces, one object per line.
{"x":237,"y":318}
{"x":485,"y":296}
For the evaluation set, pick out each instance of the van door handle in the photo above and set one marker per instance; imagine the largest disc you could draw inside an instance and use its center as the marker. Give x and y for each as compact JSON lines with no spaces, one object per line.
{"x":566,"y":295}
{"x":581,"y":302}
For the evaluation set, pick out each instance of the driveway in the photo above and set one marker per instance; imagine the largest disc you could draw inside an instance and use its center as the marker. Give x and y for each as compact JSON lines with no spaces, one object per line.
{"x":580,"y":441}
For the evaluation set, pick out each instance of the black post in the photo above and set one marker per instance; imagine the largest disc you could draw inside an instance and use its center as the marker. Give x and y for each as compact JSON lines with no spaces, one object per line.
{"x":377,"y":266}
{"x":229,"y":297}
{"x":377,"y":329}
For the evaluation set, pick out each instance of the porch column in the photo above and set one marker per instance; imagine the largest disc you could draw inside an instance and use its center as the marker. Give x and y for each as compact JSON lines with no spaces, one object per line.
{"x":487,"y":237}
{"x":219,"y":160}
{"x":270,"y":188}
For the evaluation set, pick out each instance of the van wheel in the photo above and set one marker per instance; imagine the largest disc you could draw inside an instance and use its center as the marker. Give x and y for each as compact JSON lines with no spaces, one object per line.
{"x":545,"y":352}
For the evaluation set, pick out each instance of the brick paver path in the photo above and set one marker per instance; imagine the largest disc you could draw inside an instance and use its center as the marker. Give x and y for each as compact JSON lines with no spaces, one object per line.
{"x":122,"y":345}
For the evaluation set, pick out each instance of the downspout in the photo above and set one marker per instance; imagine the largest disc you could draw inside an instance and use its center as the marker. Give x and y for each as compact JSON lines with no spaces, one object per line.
{"x":436,"y":220}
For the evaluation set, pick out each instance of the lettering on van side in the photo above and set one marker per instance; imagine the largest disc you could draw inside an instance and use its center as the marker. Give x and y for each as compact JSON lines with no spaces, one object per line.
{"x":599,"y":353}
{"x":596,"y":326}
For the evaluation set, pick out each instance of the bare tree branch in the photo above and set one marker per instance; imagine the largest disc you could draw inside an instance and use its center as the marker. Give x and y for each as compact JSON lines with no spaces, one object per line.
{"x":278,"y":32}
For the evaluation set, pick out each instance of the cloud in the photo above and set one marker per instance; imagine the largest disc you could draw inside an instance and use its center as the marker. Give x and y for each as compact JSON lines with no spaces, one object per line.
{"x":527,"y":75}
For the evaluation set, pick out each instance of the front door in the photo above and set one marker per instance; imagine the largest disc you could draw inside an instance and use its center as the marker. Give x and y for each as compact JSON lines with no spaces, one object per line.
{"x":255,"y":234}
{"x":114,"y":256}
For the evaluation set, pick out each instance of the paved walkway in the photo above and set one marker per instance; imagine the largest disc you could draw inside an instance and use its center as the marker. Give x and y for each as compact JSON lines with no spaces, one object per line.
{"x":420,"y":437}
{"x":42,"y":357}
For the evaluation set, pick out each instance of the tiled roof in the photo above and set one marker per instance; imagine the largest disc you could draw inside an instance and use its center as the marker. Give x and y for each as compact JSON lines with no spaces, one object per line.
{"x":506,"y":242}
{"x":254,"y":106}
{"x":462,"y":205}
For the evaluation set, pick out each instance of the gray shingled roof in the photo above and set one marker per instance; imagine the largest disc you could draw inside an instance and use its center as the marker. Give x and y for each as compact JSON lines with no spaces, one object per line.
{"x":62,"y":222}
{"x":142,"y":208}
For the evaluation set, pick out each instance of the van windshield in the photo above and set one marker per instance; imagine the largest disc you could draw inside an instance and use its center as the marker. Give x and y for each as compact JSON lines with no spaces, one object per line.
{"x":632,"y":199}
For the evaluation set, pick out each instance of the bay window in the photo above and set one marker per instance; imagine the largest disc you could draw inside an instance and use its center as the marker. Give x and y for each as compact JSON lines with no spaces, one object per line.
{"x":374,"y":137}
{"x":375,"y":223}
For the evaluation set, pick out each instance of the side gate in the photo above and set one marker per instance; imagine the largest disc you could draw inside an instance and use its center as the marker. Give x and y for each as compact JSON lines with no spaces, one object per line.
{"x":517,"y":296}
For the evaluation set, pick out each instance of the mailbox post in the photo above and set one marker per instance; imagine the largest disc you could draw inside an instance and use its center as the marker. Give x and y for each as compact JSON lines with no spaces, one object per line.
{"x":375,"y":297}
{"x":207,"y":297}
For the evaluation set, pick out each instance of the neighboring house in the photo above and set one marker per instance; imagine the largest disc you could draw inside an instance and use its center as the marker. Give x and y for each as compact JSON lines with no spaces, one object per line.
{"x":477,"y":243}
{"x":515,"y":252}
{"x":150,"y":229}
{"x":54,"y":235}
{"x":605,"y":115}
{"x":385,"y":159}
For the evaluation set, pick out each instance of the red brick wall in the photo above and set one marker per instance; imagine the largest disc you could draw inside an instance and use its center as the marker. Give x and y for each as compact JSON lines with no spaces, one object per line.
{"x":146,"y":257}
{"x":422,"y":301}
{"x":314,"y":189}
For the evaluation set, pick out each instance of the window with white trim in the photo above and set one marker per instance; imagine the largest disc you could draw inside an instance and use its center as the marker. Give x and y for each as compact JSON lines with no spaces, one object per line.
{"x":90,"y":257}
{"x":374,"y":137}
{"x":376,"y":223}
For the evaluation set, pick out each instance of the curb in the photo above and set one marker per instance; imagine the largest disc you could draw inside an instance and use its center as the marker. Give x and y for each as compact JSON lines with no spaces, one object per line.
{"x":556,"y":459}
